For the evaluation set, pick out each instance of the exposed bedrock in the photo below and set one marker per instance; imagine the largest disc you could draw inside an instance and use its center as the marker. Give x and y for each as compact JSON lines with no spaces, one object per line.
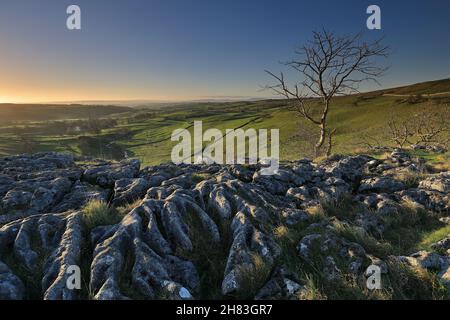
{"x":144,"y":237}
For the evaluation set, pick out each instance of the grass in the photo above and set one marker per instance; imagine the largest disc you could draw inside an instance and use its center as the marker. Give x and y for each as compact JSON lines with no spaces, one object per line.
{"x":252,"y":278}
{"x":145,"y":133}
{"x":346,"y":286}
{"x":316,"y":213}
{"x":209,"y":257}
{"x":125,"y":209}
{"x":401,"y":282}
{"x":198,"y":177}
{"x":434,"y":236}
{"x":410,"y":179}
{"x":98,"y":213}
{"x":31,"y":279}
{"x":95,"y":213}
{"x":85,"y":268}
{"x":10,"y":113}
{"x":311,"y":290}
{"x":360,"y":236}
{"x":406,"y":229}
{"x":412,"y":283}
{"x":126,"y":281}
{"x":409,"y":231}
{"x":343,"y":208}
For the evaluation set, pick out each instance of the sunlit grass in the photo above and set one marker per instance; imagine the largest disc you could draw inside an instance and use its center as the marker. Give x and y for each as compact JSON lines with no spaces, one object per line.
{"x":98,"y":213}
{"x":432,"y":237}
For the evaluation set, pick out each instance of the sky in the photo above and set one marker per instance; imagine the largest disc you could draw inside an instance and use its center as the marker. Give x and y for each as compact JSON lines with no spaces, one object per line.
{"x":197,"y":49}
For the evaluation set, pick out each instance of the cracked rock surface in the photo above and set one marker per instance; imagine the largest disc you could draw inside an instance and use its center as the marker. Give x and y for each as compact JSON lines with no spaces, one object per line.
{"x":206,"y":231}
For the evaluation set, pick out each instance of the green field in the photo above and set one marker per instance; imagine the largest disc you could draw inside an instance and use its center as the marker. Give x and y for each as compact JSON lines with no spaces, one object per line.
{"x":115,"y":132}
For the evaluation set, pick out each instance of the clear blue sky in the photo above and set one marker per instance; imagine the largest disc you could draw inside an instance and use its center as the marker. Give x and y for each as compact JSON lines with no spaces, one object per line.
{"x":187,"y":49}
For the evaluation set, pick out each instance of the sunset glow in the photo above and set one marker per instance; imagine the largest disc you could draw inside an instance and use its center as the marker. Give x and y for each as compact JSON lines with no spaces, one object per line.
{"x":223,"y":155}
{"x":147,"y":50}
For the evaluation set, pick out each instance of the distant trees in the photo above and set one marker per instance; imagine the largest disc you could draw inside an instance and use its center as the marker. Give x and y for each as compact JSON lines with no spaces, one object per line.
{"x":27,"y":144}
{"x":328,"y":66}
{"x":91,"y":125}
{"x":400,"y":131}
{"x":428,"y":127}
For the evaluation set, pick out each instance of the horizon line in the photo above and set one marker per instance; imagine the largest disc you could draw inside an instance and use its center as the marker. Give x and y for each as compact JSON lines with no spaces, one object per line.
{"x":205,"y":99}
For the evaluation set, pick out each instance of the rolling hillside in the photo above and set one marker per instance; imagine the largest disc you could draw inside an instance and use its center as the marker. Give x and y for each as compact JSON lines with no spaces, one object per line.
{"x":436,"y":87}
{"x":40,"y":112}
{"x":145,"y":133}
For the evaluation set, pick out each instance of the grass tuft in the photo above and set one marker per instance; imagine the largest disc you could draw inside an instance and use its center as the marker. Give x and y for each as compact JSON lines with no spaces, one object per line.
{"x":311,"y":290}
{"x":410,"y":179}
{"x":98,"y":213}
{"x":360,"y":236}
{"x":125,"y":209}
{"x":434,"y":236}
{"x":252,"y":277}
{"x":209,"y":257}
{"x":416,"y":283}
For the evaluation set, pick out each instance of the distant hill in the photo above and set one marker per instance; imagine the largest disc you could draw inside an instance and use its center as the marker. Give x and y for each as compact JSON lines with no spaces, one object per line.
{"x":42,"y":112}
{"x":422,"y":88}
{"x":145,"y":132}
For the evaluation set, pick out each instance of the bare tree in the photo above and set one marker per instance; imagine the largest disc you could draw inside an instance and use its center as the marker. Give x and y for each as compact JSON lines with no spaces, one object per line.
{"x":308,"y":137}
{"x":27,"y":144}
{"x":330,"y":141}
{"x":329,"y":66}
{"x":371,"y":142}
{"x":432,"y":124}
{"x":428,"y":127}
{"x":400,"y":132}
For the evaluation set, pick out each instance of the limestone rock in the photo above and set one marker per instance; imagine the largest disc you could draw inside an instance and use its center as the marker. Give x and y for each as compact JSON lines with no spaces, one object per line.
{"x":105,"y":175}
{"x":11,"y":287}
{"x":380,"y":184}
{"x":129,"y":190}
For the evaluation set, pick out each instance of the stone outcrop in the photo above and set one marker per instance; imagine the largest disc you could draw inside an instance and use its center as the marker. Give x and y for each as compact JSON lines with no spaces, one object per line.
{"x":150,"y":253}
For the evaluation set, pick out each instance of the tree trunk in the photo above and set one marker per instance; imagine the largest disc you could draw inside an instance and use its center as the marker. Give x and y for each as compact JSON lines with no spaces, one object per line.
{"x":322,"y":126}
{"x":330,"y":142}
{"x":323,"y":133}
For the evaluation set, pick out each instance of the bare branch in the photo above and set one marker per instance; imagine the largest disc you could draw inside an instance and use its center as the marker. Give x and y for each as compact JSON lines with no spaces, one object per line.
{"x":329,"y":66}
